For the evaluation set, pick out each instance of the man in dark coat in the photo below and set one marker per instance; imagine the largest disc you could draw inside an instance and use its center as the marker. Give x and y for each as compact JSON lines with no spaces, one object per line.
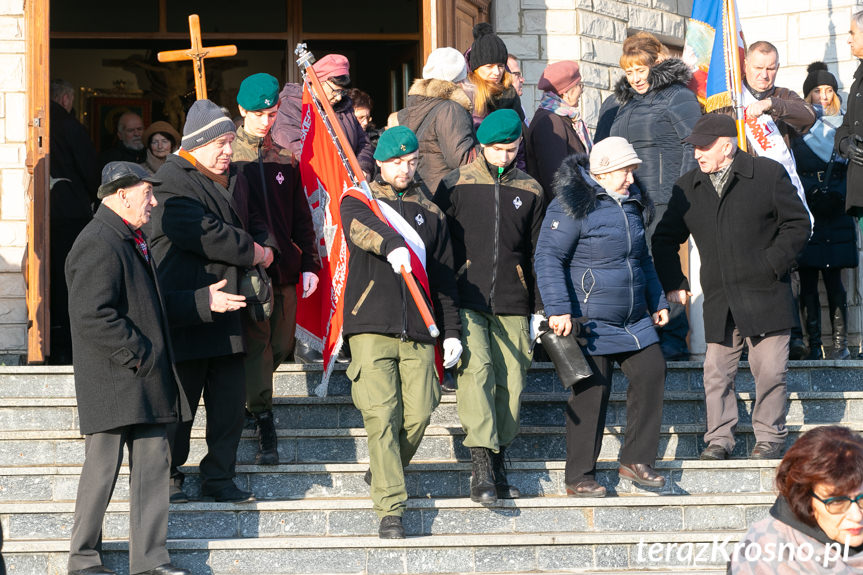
{"x":74,"y":179}
{"x":749,"y":225}
{"x":125,"y":383}
{"x":849,"y":136}
{"x":277,"y":194}
{"x":130,"y":141}
{"x":199,"y":234}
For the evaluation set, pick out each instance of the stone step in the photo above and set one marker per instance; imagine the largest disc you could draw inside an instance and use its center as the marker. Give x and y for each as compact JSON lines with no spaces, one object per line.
{"x":423,"y":480}
{"x":460,"y":516}
{"x":301,"y":380}
{"x":538,"y":409}
{"x":540,"y":443}
{"x":596,"y":553}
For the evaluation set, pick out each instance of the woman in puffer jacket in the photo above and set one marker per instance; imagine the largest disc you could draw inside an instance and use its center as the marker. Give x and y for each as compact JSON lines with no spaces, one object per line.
{"x":592,"y":262}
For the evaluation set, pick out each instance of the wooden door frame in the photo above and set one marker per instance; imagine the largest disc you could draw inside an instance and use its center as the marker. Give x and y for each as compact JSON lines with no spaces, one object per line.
{"x":37,"y":265}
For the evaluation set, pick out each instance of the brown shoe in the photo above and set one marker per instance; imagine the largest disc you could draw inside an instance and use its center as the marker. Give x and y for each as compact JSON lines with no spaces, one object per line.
{"x":585,"y":488}
{"x":641,"y":473}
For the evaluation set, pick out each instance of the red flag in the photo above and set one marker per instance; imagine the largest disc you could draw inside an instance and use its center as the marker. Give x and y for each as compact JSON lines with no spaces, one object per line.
{"x":319,"y":317}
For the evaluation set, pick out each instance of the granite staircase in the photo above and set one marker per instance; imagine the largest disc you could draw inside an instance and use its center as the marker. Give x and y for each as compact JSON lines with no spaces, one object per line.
{"x":313,"y":513}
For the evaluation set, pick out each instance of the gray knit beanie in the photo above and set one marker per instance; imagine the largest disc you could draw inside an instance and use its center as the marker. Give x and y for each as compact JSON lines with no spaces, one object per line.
{"x":205,"y":122}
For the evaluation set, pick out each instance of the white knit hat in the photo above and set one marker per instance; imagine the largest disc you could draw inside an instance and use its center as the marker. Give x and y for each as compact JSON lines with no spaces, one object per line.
{"x":446,"y":64}
{"x":612,"y":154}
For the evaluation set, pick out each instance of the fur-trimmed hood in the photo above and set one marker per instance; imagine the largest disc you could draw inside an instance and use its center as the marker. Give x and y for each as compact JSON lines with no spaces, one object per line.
{"x":577,"y":192}
{"x":663,"y":75}
{"x":441,"y":89}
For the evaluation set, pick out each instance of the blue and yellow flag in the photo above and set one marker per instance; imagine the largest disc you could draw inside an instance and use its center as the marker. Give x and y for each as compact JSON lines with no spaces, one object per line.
{"x":709,"y":53}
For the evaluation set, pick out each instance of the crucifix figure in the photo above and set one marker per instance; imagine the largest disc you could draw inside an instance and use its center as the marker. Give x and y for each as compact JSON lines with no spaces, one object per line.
{"x":197,"y":53}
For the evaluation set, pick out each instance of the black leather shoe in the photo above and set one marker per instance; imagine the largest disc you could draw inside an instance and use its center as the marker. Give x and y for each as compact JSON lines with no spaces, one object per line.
{"x":767,"y":450}
{"x":167,"y":569}
{"x":304,"y":353}
{"x":367,"y":477}
{"x":391,"y":528}
{"x":176,"y":494}
{"x":585,"y":488}
{"x":448,"y":384}
{"x":714,"y":452}
{"x":797,"y":349}
{"x":641,"y":473}
{"x":95,"y":570}
{"x":230,"y":494}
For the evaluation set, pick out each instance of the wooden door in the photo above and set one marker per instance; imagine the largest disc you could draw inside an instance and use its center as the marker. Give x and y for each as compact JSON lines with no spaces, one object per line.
{"x":456,"y":19}
{"x":38,"y":104}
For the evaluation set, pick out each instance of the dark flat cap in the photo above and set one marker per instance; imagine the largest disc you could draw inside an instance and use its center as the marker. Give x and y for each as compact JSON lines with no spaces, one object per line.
{"x":116,"y":175}
{"x":709,"y":127}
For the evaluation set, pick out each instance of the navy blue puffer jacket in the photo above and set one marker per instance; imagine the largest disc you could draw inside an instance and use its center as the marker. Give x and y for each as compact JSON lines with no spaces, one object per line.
{"x":592,"y":260}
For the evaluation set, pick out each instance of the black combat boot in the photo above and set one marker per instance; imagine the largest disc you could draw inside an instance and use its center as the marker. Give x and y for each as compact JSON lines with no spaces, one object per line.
{"x":504,"y":489}
{"x":812,"y":314}
{"x":482,"y":488}
{"x":839,"y":319}
{"x":268,"y":441}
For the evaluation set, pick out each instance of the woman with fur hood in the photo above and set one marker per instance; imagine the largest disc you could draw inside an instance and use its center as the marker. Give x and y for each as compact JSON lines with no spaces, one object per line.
{"x":592,"y":262}
{"x":654,"y":110}
{"x":439,"y":113}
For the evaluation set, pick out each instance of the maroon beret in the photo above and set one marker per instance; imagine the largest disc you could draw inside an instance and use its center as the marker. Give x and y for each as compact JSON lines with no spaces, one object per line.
{"x":331,"y":66}
{"x":559,"y":77}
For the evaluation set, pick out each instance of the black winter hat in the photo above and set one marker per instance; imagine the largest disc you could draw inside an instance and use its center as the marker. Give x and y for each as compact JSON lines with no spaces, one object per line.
{"x":487,"y":47}
{"x":818,"y":76}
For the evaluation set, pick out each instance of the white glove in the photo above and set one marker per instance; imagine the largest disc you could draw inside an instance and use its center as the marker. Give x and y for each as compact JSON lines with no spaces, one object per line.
{"x":451,"y":351}
{"x":535,"y":320}
{"x":310,"y":283}
{"x":400,"y":258}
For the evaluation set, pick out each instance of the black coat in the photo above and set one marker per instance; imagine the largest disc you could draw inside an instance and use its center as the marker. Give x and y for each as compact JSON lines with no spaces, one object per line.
{"x":834,"y":238}
{"x":376,"y":300}
{"x":74,"y":168}
{"x":852,"y":125}
{"x":655,"y":123}
{"x":550,"y":139}
{"x":748,"y":241}
{"x":198,"y":237}
{"x":119,"y":321}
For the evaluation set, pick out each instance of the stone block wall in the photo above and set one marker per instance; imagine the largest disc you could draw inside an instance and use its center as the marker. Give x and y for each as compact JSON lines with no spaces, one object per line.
{"x":14,"y":178}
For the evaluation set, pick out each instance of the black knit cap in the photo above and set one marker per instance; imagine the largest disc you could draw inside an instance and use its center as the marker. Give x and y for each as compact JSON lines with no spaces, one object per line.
{"x":818,"y":76}
{"x":487,"y":47}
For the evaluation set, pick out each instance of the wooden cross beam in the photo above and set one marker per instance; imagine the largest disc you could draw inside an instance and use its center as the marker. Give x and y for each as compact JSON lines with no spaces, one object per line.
{"x":196,"y":54}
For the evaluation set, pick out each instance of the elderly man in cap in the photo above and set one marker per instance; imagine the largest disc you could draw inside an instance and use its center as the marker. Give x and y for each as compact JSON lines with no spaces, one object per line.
{"x":395,"y":380}
{"x":202,"y":230}
{"x":277,"y":194}
{"x":495,"y":214}
{"x":126,"y":387}
{"x":749,"y":225}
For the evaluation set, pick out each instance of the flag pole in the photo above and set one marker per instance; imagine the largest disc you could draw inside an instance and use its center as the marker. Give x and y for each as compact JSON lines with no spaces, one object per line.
{"x":352,"y":165}
{"x":733,"y":57}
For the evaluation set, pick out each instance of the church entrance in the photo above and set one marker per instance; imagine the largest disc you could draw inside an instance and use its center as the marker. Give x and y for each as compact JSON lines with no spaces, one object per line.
{"x":108,"y":52}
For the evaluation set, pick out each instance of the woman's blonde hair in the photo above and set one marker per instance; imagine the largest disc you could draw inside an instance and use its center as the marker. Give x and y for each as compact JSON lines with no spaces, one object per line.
{"x":486,"y":91}
{"x":642,"y":49}
{"x":834,"y":108}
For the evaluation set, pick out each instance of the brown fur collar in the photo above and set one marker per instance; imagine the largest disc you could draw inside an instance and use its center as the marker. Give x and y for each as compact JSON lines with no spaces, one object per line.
{"x":440,"y":89}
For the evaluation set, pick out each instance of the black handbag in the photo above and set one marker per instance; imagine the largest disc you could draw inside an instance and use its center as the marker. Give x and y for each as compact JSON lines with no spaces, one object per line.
{"x":566,"y":354}
{"x":257,"y":286}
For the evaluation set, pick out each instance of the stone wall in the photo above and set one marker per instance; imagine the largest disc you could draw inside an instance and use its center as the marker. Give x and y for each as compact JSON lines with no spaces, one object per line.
{"x":13,"y":178}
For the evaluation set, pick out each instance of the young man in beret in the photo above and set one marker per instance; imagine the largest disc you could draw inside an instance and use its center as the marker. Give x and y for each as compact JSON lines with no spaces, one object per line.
{"x":125,"y":384}
{"x":395,"y":380}
{"x":275,"y":192}
{"x":495,"y":214}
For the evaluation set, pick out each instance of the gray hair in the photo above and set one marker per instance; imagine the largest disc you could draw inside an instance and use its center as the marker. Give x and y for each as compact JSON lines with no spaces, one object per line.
{"x":59,"y":88}
{"x":857,"y":18}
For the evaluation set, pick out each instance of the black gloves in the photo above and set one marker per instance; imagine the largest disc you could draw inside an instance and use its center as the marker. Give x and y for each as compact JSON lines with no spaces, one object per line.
{"x":854,"y":149}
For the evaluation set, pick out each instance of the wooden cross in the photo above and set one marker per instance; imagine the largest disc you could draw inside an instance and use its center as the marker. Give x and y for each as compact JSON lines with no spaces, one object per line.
{"x":197,"y":53}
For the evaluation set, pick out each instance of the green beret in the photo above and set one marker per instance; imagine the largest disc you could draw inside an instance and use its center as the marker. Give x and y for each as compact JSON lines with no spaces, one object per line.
{"x":499,"y":127}
{"x":258,"y":92}
{"x":396,"y":141}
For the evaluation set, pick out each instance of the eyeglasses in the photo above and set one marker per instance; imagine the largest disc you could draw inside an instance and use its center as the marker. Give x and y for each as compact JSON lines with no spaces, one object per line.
{"x":840,"y":504}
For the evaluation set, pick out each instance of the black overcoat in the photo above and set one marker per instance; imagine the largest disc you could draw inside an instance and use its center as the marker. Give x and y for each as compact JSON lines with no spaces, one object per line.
{"x":852,"y":124}
{"x":748,"y":240}
{"x":119,"y":320}
{"x":198,"y":237}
